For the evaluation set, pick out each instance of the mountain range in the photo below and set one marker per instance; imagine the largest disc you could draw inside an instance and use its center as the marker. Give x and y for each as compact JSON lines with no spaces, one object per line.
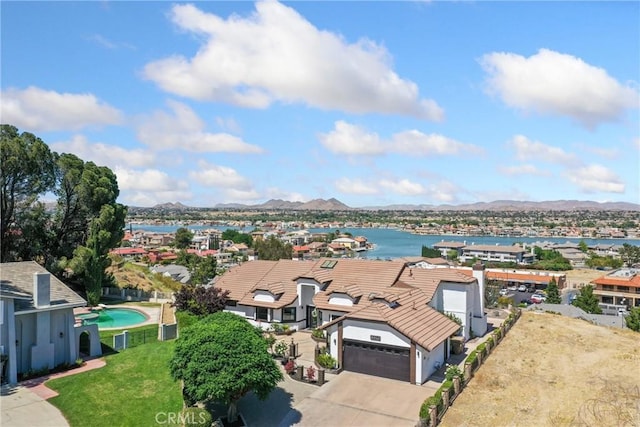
{"x":497,"y":205}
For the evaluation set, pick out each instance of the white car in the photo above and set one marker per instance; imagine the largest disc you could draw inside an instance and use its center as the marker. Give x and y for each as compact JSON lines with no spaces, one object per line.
{"x":522,"y":288}
{"x":512,"y":288}
{"x":537,"y":298}
{"x":504,"y":292}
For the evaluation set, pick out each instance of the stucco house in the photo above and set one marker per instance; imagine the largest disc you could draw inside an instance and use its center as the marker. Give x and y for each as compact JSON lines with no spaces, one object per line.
{"x":37,"y":325}
{"x":384,"y":318}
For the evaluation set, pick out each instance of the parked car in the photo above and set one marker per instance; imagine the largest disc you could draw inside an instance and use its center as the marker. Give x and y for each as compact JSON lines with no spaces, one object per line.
{"x":504,"y":292}
{"x":531,"y":289}
{"x":526,"y":302}
{"x":522,"y":288}
{"x":512,"y":288}
{"x":537,"y":298}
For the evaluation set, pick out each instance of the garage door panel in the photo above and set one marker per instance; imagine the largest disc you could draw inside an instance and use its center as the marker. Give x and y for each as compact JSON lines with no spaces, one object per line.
{"x":388,"y":362}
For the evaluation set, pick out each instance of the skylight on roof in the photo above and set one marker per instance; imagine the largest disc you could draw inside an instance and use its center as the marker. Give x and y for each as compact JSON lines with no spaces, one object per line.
{"x":328,"y":264}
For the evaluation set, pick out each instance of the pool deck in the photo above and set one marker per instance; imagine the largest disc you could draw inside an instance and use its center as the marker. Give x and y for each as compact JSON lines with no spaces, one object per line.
{"x":152,"y":313}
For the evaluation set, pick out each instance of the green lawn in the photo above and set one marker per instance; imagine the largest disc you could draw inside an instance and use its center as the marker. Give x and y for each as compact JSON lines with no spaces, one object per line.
{"x":134,"y":389}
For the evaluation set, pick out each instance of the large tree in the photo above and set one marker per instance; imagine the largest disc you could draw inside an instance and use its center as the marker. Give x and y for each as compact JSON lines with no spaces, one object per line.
{"x":77,"y":231}
{"x":629,"y":254}
{"x":26,"y":173}
{"x":587,"y":301}
{"x":273,"y":249}
{"x":183,"y":238}
{"x":221,"y":358}
{"x":553,"y":294}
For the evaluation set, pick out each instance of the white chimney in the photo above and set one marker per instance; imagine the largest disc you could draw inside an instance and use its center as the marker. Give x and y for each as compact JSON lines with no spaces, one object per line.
{"x":41,"y":289}
{"x":478,"y":273}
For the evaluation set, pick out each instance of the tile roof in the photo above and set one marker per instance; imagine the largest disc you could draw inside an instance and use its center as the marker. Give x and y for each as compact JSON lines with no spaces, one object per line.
{"x":16,"y":280}
{"x":409,"y":314}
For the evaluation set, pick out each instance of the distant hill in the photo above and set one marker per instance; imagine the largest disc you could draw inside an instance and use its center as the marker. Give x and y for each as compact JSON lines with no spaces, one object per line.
{"x":336,"y":205}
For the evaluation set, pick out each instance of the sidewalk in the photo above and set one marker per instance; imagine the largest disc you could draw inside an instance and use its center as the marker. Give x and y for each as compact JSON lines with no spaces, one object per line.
{"x":25,"y":404}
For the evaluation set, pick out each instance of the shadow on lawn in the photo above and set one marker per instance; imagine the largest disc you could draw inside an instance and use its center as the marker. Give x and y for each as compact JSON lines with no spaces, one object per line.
{"x":269,"y":412}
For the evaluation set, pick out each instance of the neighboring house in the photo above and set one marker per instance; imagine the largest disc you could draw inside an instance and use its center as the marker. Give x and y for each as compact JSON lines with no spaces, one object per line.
{"x":383,"y":317}
{"x":179,"y":273}
{"x":37,"y":324}
{"x":491,"y":253}
{"x":531,"y":279}
{"x":129,"y":253}
{"x":157,"y":256}
{"x":619,"y":287}
{"x":445,"y":247}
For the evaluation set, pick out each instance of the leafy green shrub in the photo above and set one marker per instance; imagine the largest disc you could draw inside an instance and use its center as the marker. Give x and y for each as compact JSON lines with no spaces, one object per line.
{"x":280,"y":348}
{"x":277,"y":328}
{"x":326,"y":361}
{"x":490,"y":341}
{"x":435,"y":400}
{"x":193,"y":416}
{"x":481,"y":348}
{"x":471,"y":358}
{"x":317,"y":333}
{"x":453,"y":371}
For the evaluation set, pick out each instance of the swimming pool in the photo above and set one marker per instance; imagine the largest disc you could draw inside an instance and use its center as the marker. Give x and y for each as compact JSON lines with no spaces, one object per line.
{"x":113,"y":317}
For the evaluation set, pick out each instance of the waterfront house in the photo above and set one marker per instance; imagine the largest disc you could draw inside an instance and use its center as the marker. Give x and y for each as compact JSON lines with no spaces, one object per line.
{"x":619,"y":287}
{"x":382,"y":317}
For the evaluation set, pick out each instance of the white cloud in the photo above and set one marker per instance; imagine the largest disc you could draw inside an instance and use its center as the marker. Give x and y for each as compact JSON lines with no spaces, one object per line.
{"x":558,"y":84}
{"x":219,"y":176}
{"x":595,"y":178}
{"x":104,"y":154}
{"x":350,"y":139}
{"x":277,"y":55}
{"x":151,"y":180}
{"x":414,"y":142}
{"x":525,"y":169}
{"x":527,"y":150}
{"x":182,"y":128}
{"x":356,"y":186}
{"x":402,"y":187}
{"x":34,"y":109}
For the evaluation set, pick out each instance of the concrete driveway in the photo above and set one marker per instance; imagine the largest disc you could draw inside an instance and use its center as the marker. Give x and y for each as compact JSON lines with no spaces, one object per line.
{"x":352,"y":399}
{"x":21,"y":407}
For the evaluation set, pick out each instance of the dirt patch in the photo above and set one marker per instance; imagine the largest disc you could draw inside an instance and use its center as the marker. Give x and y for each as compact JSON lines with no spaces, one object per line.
{"x":168,"y":316}
{"x":582,"y":276}
{"x":556,"y":371}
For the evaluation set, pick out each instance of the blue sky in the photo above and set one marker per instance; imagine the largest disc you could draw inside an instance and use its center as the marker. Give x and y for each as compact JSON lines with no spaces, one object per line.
{"x":373,"y":103}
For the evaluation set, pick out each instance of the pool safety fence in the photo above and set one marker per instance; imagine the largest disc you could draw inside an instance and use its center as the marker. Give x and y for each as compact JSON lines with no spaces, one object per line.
{"x":136,"y":295}
{"x":129,"y":339}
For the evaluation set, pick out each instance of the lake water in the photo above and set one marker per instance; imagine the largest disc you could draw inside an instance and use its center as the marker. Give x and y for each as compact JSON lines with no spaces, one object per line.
{"x":392,"y":243}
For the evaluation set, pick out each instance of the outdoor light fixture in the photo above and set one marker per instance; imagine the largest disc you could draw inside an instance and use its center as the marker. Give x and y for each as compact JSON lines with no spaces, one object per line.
{"x":61,"y":334}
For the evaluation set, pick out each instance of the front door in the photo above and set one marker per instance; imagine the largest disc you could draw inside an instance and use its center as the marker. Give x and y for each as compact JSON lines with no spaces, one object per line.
{"x":313,"y":314}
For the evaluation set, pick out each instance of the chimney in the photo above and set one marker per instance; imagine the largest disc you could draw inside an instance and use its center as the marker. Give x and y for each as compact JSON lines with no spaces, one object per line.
{"x":41,"y":289}
{"x":478,"y":273}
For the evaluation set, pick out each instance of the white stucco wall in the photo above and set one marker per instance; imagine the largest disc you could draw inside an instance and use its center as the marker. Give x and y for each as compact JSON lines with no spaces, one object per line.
{"x":362,"y":331}
{"x":429,"y":361}
{"x":340,"y":299}
{"x":264,"y":296}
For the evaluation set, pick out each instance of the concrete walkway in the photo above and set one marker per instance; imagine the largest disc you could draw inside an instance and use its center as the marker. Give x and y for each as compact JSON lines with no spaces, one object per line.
{"x":25,"y":404}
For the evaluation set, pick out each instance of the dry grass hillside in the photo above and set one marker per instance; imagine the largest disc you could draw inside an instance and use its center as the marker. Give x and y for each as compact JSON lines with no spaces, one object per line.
{"x":555,"y":371}
{"x":131,"y":275}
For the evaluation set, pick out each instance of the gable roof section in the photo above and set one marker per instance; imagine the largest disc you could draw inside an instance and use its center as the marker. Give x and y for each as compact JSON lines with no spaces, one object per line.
{"x":16,"y":280}
{"x":428,"y":280}
{"x":410,"y":315}
{"x":277,"y":277}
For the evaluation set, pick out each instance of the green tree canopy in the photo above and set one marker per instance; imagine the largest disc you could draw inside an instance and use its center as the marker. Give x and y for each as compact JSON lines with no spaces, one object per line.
{"x":273,"y":248}
{"x":430,"y":252}
{"x":27,"y":171}
{"x":629,"y":254}
{"x":632,"y":320}
{"x":237,"y":237}
{"x":82,"y":226}
{"x":553,"y":294}
{"x":587,"y":301}
{"x":201,"y":300}
{"x":221,"y":358}
{"x":183,"y":238}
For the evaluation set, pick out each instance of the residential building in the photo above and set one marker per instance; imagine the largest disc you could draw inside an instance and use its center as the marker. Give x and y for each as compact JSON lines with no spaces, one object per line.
{"x":37,"y":324}
{"x":382,"y":317}
{"x":619,"y":287}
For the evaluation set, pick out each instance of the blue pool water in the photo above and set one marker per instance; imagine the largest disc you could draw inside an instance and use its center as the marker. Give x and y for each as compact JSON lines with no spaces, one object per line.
{"x":114,"y":318}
